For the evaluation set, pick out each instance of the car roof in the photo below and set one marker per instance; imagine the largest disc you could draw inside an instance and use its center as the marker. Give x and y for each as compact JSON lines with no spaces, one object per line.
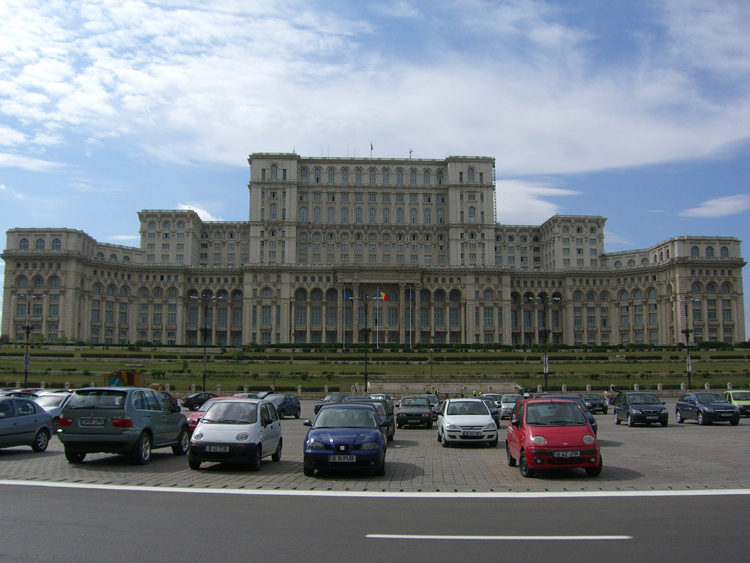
{"x":348,"y":406}
{"x":546,"y":400}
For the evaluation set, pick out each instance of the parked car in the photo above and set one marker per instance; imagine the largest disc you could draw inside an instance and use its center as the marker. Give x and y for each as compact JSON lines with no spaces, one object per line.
{"x":22,"y":394}
{"x":53,"y":404}
{"x":246,"y":395}
{"x":741,"y":399}
{"x":551,"y":434}
{"x":382,"y":408}
{"x":195,"y":400}
{"x":527,"y":391}
{"x":131,"y":421}
{"x":706,"y":408}
{"x":586,"y":412}
{"x":237,"y":430}
{"x":434,"y":404}
{"x":171,"y":398}
{"x":466,"y":421}
{"x":194,"y":417}
{"x":285,"y":404}
{"x":595,"y":402}
{"x":24,"y":423}
{"x":507,"y":403}
{"x":414,"y":411}
{"x":383,"y":397}
{"x":332,"y":398}
{"x":637,"y":407}
{"x":497,"y":397}
{"x":345,"y":436}
{"x":492,"y":408}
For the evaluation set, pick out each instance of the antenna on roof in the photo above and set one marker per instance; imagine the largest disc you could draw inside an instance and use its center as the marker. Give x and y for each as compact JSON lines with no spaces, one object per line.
{"x":409,"y":154}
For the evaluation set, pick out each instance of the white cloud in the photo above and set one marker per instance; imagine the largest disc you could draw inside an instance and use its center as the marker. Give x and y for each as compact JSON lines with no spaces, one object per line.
{"x":10,"y":137}
{"x":12,"y":193}
{"x":123,"y":237}
{"x":398,"y":9}
{"x":47,"y":140}
{"x":522,"y":202}
{"x":719,"y":207}
{"x":26,"y":163}
{"x":612,"y":238}
{"x":202,"y":213}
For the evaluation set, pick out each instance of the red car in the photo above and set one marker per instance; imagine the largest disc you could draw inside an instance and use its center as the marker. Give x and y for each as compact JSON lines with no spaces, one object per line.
{"x":195,"y":416}
{"x":551,"y":434}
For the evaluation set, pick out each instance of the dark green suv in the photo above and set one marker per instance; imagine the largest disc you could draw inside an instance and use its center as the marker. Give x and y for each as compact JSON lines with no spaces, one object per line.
{"x":130,"y":421}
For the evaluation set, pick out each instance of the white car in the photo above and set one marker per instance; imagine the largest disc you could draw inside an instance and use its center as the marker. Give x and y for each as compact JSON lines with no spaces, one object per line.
{"x":53,"y":404}
{"x":466,"y":421}
{"x":240,"y":431}
{"x":508,"y":403}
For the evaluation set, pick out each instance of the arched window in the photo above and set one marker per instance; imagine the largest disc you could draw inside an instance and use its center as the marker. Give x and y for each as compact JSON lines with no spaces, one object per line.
{"x":272,"y":212}
{"x":113,"y":257}
{"x":644,"y":261}
{"x":110,"y":290}
{"x":274,"y":172}
{"x":695,"y":288}
{"x":652,"y":293}
{"x":303,"y":214}
{"x":426,"y":177}
{"x":143,"y":292}
{"x":372,"y":175}
{"x":316,"y":215}
{"x":237,"y":296}
{"x":723,"y":252}
{"x":56,"y":244}
{"x":440,"y":177}
{"x":592,"y":231}
{"x":166,"y":225}
{"x":709,"y":251}
{"x":54,"y":282}
{"x":711,"y":288}
{"x":454,"y":296}
{"x":637,"y":294}
{"x":158,"y":293}
{"x":22,"y":282}
{"x":331,"y":215}
{"x":590,"y":296}
{"x":172,"y":293}
{"x":472,"y":214}
{"x":23,"y":244}
{"x":96,"y":289}
{"x":441,"y":216}
{"x":344,"y":176}
{"x":386,"y":177}
{"x":565,"y":230}
{"x":399,"y":177}
{"x":695,"y":252}
{"x":470,"y":175}
{"x":40,"y":244}
{"x":372,"y":215}
{"x":124,"y":292}
{"x":303,"y":175}
{"x":604,"y":296}
{"x":399,"y":216}
{"x":439,"y":295}
{"x":358,"y":176}
{"x":316,"y":295}
{"x":301,"y":295}
{"x":631,"y":263}
{"x":386,"y":216}
{"x":331,"y":295}
{"x":344,"y":214}
{"x":624,"y":296}
{"x":180,"y":224}
{"x":577,"y":296}
{"x":413,"y":177}
{"x":725,"y":288}
{"x":413,"y":216}
{"x":331,"y":176}
{"x":427,"y":216}
{"x":318,"y":175}
{"x":266,"y":293}
{"x":424,"y":295}
{"x":618,"y":264}
{"x":488,"y":295}
{"x":358,"y":215}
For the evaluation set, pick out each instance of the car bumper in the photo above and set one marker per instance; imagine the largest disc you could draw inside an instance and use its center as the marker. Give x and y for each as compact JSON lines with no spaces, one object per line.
{"x":547,"y":458}
{"x":419,"y":420}
{"x":460,"y":436}
{"x":87,"y":443}
{"x":641,"y":418}
{"x":363,"y":460}
{"x":719,"y":417}
{"x":235,"y":453}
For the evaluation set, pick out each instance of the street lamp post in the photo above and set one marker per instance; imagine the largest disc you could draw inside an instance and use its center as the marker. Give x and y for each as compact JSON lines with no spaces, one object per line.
{"x":206,"y":298}
{"x":544,"y":334}
{"x":27,"y":328}
{"x":687,"y":331}
{"x":431,"y":367}
{"x":367,"y":336}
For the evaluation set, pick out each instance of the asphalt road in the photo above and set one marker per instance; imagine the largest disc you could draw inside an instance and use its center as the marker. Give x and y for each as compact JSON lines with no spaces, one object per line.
{"x":102,"y":526}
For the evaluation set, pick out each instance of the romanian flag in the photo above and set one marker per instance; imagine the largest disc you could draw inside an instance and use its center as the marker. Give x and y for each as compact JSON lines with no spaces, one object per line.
{"x":370,"y":146}
{"x":384,"y":296}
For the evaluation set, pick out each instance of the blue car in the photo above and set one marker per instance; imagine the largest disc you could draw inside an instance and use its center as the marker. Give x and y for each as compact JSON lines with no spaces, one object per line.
{"x":345,"y":436}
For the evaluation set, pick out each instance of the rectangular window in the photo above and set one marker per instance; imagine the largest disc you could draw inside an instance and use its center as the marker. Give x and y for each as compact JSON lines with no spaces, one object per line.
{"x":424,"y":318}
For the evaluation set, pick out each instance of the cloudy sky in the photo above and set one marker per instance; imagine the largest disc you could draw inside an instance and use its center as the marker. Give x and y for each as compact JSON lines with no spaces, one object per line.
{"x":634,"y":110}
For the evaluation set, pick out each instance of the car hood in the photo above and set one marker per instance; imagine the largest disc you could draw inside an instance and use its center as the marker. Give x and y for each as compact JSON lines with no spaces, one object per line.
{"x":225,"y":433}
{"x":352,"y":436}
{"x":564,"y":435}
{"x":743,"y":402}
{"x":718,"y":405}
{"x":469,"y":419}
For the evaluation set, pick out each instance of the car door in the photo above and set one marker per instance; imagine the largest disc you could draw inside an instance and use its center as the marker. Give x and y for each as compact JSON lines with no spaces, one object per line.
{"x":28,"y":420}
{"x":621,"y":407}
{"x":8,"y":423}
{"x":270,"y":432}
{"x":515,"y":432}
{"x":173,"y":421}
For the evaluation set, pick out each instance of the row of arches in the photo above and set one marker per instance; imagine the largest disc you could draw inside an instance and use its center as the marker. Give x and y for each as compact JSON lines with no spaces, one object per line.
{"x":344,"y":175}
{"x":358,"y":216}
{"x":53,"y":282}
{"x":40,"y":244}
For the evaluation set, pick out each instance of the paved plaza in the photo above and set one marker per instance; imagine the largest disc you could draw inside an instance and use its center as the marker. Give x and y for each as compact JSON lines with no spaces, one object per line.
{"x":678,"y":457}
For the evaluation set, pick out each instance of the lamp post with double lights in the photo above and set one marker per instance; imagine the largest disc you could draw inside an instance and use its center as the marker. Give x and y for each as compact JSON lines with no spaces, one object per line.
{"x":687,"y":331}
{"x":366,"y":298}
{"x":27,"y":328}
{"x":544,"y":333}
{"x":431,"y":350}
{"x":206,"y":298}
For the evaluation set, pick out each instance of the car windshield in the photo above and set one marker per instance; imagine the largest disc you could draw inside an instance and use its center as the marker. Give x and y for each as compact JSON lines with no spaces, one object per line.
{"x":742,"y":396}
{"x":554,"y":414}
{"x":346,"y":418}
{"x":207,"y":405}
{"x":378,"y":406}
{"x":513,"y":399}
{"x":706,"y":398}
{"x":231,"y":412}
{"x":379,"y":397}
{"x":49,"y":400}
{"x":467,"y":408}
{"x":97,"y":399}
{"x":275,"y":398}
{"x":644,"y":399}
{"x":591,"y":397}
{"x":331,"y":399}
{"x":415,"y":402}
{"x":577,"y":400}
{"x":433,"y":400}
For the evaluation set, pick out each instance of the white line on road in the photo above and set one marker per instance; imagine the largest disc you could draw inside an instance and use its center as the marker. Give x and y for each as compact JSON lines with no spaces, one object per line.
{"x":497,"y":538}
{"x":377,"y":494}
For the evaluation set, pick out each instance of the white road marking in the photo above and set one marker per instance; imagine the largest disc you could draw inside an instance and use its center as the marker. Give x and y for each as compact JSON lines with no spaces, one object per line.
{"x":497,"y":538}
{"x":379,"y":494}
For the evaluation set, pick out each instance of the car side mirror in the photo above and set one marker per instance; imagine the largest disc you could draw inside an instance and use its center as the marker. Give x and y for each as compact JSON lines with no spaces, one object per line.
{"x":307,"y":423}
{"x":267,"y":421}
{"x":516,"y":422}
{"x":385,"y":423}
{"x":2,"y":415}
{"x":494,"y":412}
{"x":176,"y":408}
{"x":663,"y":403}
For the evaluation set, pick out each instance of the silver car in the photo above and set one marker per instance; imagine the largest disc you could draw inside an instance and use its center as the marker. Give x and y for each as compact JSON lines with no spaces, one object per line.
{"x":24,"y":423}
{"x":507,"y":403}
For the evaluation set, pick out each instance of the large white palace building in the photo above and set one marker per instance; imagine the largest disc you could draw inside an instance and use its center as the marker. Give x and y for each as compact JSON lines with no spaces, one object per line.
{"x":407,"y":248}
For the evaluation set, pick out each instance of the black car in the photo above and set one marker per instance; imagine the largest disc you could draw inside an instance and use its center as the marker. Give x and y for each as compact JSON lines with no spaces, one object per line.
{"x":381,"y":406}
{"x":594,"y":402}
{"x":194,"y":401}
{"x":706,"y":408}
{"x":434,"y":403}
{"x":637,"y":407}
{"x":331,"y":399}
{"x":414,"y":411}
{"x":578,"y":401}
{"x":492,"y":406}
{"x":285,"y":404}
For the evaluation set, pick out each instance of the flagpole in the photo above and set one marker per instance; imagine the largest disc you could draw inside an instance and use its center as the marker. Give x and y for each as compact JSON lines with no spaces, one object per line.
{"x":411,"y":320}
{"x":377,"y":323}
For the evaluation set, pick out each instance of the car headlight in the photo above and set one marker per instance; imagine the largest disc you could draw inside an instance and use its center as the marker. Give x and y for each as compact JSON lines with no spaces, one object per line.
{"x":197,"y":435}
{"x":313,"y":445}
{"x":636,"y":411}
{"x":453,"y":427}
{"x":369,"y":446}
{"x":588,"y":439}
{"x":490,"y":426}
{"x":708,"y":409}
{"x":242,"y":436}
{"x":539,"y":440}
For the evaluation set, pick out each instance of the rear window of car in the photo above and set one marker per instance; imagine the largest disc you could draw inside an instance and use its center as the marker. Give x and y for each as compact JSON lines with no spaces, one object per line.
{"x":415,"y":402}
{"x":97,"y":399}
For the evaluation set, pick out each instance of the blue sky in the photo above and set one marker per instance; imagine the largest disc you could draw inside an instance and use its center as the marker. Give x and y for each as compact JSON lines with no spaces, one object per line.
{"x":634,"y":110}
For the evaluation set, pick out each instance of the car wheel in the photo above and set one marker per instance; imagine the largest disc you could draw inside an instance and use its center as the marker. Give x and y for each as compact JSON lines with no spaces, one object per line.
{"x":392,"y":436}
{"x":664,"y":423}
{"x":255,"y":462}
{"x":281,"y":413}
{"x":183,"y":443}
{"x":595,"y":471}
{"x":142,"y":453}
{"x":439,"y":439}
{"x":734,"y":422}
{"x":631,"y":422}
{"x":617,"y":420}
{"x":398,"y":425}
{"x":308,"y":471}
{"x":74,"y":457}
{"x":493,"y":443}
{"x":604,"y":411}
{"x":296,"y":415}
{"x":429,"y":425}
{"x":444,"y":441}
{"x":380,"y":470}
{"x":194,"y":464}
{"x":276,"y":456}
{"x":41,"y":440}
{"x":678,"y":417}
{"x":702,"y":419}
{"x":523,"y":465}
{"x":509,"y":459}
{"x":55,"y":424}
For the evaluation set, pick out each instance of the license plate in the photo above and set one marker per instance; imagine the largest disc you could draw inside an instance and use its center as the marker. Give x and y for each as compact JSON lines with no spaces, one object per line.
{"x":470,"y":433}
{"x":727,"y":414}
{"x":567,"y":454}
{"x":652,"y":418}
{"x":91,"y":421}
{"x":223,"y":449}
{"x":340,"y":458}
{"x":413,"y":421}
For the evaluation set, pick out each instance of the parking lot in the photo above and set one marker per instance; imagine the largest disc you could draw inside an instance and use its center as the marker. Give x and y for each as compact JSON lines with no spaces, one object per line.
{"x":680,"y":456}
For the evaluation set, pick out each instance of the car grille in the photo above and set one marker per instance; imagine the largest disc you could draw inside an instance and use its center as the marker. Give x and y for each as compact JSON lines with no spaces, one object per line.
{"x":651,"y":412}
{"x":471,"y":427}
{"x":341,"y":448}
